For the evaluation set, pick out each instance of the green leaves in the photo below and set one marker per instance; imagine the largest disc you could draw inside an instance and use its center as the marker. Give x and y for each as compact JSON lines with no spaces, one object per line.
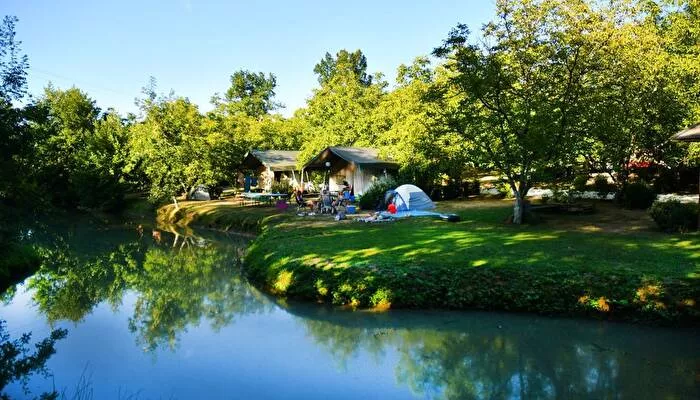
{"x":172,"y":148}
{"x":13,"y":64}
{"x":250,"y":94}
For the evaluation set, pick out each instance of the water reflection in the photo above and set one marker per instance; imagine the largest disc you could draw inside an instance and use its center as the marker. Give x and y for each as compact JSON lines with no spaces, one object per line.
{"x":485,"y":355}
{"x":179,"y":280}
{"x":168,"y":284}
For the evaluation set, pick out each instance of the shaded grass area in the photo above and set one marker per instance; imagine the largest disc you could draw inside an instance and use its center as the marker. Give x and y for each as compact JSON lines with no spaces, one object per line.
{"x":479,"y":263}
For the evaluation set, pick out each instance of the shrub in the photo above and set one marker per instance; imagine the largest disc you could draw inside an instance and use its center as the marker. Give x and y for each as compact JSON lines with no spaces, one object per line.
{"x":602,"y":186}
{"x":281,"y":187}
{"x":564,"y":196}
{"x":375,"y":192}
{"x":580,"y":183}
{"x":505,"y":191}
{"x":638,"y":195}
{"x":674,"y":216}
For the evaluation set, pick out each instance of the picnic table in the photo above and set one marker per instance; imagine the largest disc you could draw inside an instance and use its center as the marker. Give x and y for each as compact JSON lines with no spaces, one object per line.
{"x":263,"y":198}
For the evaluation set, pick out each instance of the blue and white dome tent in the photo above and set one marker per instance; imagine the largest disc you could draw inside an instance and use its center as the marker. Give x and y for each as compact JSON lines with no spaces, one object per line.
{"x":411,"y":201}
{"x":412,"y":198}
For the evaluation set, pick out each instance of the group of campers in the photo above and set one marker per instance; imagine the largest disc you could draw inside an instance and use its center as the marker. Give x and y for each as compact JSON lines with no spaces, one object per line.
{"x":328,"y":202}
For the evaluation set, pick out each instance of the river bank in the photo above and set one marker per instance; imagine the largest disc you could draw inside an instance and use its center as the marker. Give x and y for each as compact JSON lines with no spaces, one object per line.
{"x":479,"y":263}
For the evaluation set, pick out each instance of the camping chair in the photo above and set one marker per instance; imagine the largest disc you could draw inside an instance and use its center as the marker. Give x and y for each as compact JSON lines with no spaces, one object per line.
{"x":326,"y":204}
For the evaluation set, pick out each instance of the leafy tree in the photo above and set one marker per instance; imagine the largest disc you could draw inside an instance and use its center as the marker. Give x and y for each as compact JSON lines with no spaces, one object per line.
{"x":411,"y":129}
{"x":251,"y":94}
{"x":521,"y":85}
{"x":340,"y":112}
{"x":15,"y":144}
{"x":344,"y":63}
{"x":242,"y":120}
{"x":633,"y":103}
{"x":680,"y":34}
{"x":78,"y":153}
{"x":13,"y":64}
{"x":172,"y":147}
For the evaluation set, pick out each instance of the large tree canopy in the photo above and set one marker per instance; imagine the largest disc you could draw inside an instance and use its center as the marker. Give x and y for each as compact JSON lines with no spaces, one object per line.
{"x":251,"y":94}
{"x":344,"y":63}
{"x":522,"y":82}
{"x":340,"y":112}
{"x":172,"y":147}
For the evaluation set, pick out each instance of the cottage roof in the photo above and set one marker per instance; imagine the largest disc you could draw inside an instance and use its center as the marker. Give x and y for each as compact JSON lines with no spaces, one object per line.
{"x":276,"y":160}
{"x":364,"y":156}
{"x":692,"y":134}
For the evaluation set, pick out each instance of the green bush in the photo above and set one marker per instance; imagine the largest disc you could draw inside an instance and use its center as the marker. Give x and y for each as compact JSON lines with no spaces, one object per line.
{"x":638,"y":196}
{"x":281,"y":187}
{"x":505,"y":190}
{"x":375,"y":192}
{"x":580,"y":183}
{"x":674,"y":216}
{"x":602,"y":186}
{"x":564,"y":196}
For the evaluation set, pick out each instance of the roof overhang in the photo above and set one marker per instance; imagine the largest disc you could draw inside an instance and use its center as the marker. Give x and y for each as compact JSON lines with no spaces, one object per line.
{"x":334,"y":157}
{"x":692,"y":134}
{"x":256,"y":159}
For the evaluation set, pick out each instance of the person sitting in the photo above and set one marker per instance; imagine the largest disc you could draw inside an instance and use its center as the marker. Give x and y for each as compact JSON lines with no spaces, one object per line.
{"x":327,"y":205}
{"x":299,"y":198}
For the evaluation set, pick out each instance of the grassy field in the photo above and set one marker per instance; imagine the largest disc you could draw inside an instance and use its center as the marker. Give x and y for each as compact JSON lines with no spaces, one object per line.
{"x":609,"y":264}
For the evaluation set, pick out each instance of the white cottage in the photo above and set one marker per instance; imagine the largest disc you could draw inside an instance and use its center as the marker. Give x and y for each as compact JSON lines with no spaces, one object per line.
{"x":358,"y":166}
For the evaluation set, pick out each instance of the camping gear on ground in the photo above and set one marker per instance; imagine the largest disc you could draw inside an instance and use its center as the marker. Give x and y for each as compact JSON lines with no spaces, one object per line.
{"x":421,"y":213}
{"x":391,"y":208}
{"x":376,"y":217}
{"x":350,"y":209}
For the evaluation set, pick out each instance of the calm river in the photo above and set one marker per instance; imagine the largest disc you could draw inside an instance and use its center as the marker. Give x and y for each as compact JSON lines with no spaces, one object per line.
{"x":174,"y":319}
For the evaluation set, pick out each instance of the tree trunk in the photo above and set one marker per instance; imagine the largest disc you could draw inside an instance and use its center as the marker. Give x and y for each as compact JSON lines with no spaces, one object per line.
{"x":518,"y":208}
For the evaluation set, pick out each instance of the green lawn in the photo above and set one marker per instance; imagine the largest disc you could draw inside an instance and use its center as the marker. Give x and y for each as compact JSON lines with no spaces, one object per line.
{"x":567,"y":265}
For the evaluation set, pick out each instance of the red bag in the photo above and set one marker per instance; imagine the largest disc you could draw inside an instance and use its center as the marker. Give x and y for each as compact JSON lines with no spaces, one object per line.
{"x":391,"y":208}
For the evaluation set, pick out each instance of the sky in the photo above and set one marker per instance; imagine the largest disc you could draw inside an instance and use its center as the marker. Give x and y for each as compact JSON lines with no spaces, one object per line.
{"x":110,"y":48}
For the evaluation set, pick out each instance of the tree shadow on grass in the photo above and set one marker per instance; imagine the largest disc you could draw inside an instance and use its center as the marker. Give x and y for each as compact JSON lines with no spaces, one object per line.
{"x":434,"y":264}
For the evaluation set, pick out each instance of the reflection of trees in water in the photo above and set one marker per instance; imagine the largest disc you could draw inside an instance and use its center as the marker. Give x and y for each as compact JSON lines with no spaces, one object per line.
{"x":489,"y":362}
{"x":179,"y":288}
{"x":174,"y":287}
